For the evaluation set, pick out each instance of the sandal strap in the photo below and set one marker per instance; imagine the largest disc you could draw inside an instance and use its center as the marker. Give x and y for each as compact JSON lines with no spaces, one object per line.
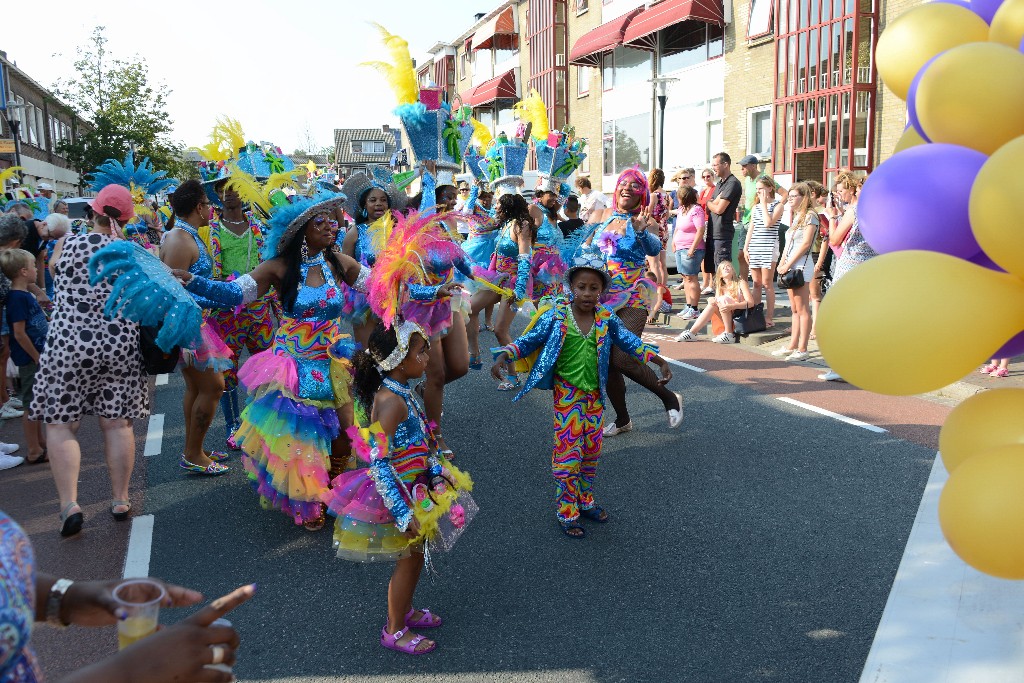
{"x":67,"y":508}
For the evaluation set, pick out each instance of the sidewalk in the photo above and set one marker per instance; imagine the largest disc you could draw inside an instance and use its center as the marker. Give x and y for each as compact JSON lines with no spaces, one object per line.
{"x":769,"y":340}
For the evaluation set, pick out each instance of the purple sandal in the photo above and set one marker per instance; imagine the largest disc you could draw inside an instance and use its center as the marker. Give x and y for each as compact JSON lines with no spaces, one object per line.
{"x":390,"y":641}
{"x":428,"y":620}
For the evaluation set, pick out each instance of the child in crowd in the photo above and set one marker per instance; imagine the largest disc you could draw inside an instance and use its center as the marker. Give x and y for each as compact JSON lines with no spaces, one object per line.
{"x":731,"y":294}
{"x":28,"y":326}
{"x":663,"y":305}
{"x":997,"y":367}
{"x":389,"y":510}
{"x":574,"y":342}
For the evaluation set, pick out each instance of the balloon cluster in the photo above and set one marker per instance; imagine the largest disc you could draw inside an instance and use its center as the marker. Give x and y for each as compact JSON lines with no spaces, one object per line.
{"x":947,"y":291}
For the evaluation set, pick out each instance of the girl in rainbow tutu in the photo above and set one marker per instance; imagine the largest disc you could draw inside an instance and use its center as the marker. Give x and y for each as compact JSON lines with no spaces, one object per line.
{"x":569,"y":346}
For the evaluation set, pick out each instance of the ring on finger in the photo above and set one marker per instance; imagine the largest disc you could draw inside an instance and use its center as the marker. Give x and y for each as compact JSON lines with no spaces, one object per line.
{"x":218,"y":652}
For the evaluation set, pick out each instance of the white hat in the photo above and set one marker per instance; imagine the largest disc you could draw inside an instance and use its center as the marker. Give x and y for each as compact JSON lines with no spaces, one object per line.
{"x":44,"y":186}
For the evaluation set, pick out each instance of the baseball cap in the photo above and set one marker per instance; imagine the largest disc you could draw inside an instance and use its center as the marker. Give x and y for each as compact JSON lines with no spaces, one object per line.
{"x":747,"y":160}
{"x":44,"y":186}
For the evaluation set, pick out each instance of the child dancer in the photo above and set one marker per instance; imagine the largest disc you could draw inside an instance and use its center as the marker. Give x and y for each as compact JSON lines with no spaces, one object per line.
{"x":574,"y":341}
{"x":387,"y":510}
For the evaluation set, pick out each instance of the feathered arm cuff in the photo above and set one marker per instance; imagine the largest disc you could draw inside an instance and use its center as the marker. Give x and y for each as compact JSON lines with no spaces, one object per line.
{"x":649,"y":243}
{"x":522,"y":276}
{"x":428,"y":198}
{"x":213,"y":294}
{"x":474,"y":194}
{"x":390,"y":491}
{"x":423,"y":292}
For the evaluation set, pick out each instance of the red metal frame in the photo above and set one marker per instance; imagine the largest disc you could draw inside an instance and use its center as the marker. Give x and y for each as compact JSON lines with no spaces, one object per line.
{"x":547,"y":37}
{"x":841,"y":90}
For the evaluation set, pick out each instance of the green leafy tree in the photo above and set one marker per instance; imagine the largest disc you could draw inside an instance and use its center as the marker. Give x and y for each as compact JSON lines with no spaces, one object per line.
{"x":126,"y":112}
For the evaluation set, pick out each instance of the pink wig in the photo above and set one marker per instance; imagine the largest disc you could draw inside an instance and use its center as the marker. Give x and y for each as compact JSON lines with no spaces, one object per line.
{"x":634,"y":175}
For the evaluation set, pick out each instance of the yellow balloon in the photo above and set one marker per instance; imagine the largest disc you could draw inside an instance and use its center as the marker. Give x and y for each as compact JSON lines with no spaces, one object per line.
{"x":999,"y":178}
{"x":973,"y":95}
{"x":988,"y":420}
{"x":981,"y":512}
{"x":881,"y":326}
{"x":910,"y":138}
{"x":919,"y":34}
{"x":1008,"y":24}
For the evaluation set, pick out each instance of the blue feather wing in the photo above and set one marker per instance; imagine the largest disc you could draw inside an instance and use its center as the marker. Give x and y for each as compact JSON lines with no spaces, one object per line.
{"x":571,"y":244}
{"x":144,"y":291}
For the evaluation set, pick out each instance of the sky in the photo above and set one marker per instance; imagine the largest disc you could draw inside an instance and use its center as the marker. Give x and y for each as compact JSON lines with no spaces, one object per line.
{"x":281,"y":68}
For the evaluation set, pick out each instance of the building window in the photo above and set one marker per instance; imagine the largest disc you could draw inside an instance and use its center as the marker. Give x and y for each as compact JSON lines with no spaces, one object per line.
{"x":760,"y":22}
{"x":367,"y":147}
{"x":583,"y":75}
{"x":694,"y":43}
{"x":627,"y":143}
{"x":41,"y":128}
{"x":582,"y":6}
{"x":30,"y":115}
{"x":20,"y":115}
{"x":625,"y":65}
{"x":759,"y":132}
{"x":463,"y":64}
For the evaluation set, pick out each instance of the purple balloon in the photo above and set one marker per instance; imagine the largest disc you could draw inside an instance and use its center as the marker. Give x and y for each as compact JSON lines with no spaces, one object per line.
{"x":912,"y":99}
{"x":986,"y":9}
{"x":1014,"y":347}
{"x":918,"y":199}
{"x":982,"y":259}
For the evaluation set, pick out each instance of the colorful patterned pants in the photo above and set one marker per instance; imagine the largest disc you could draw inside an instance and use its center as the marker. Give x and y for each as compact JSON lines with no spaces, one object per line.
{"x":250,"y":328}
{"x":578,"y":416}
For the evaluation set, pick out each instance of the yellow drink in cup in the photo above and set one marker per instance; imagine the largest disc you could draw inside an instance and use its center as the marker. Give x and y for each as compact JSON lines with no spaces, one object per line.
{"x":140,"y":599}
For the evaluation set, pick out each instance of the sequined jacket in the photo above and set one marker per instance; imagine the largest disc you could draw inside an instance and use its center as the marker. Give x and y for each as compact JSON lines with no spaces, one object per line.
{"x":548,"y":335}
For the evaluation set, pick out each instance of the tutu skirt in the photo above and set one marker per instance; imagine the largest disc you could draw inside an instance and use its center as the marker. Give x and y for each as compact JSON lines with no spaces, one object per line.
{"x":479,"y":248}
{"x":548,"y":271}
{"x":287,"y":429}
{"x":355,"y":306}
{"x":211,"y":353}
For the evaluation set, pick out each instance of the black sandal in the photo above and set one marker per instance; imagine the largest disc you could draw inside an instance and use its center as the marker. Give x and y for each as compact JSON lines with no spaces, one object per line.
{"x":70,"y":524}
{"x":43,"y":457}
{"x":569,"y":528}
{"x":595,"y":514}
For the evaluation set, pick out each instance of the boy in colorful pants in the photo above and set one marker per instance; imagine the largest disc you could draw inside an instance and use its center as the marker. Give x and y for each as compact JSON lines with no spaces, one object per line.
{"x":572,"y":342}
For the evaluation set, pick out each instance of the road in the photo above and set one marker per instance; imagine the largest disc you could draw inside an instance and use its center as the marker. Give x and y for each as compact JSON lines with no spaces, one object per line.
{"x":758,"y":542}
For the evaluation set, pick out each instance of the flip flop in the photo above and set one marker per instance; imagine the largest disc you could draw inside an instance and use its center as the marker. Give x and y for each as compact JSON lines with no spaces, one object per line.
{"x":43,"y":457}
{"x":595,"y":514}
{"x":567,"y":528}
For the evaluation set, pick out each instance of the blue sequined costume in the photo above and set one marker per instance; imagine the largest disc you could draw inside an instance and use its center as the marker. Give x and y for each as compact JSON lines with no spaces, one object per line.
{"x":211,"y":353}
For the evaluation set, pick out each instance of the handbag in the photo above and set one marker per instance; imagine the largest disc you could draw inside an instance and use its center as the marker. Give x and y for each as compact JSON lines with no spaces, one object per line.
{"x":749,"y":320}
{"x":794,"y":277}
{"x":156,"y":361}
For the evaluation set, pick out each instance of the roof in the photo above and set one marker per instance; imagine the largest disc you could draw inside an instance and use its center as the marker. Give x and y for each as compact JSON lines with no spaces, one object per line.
{"x":344,"y":137}
{"x":302,"y":159}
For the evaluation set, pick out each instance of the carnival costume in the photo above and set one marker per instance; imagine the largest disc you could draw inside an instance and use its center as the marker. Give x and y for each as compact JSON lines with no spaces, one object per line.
{"x":574,"y":364}
{"x":211,"y":353}
{"x":299,"y":382}
{"x":142,"y":180}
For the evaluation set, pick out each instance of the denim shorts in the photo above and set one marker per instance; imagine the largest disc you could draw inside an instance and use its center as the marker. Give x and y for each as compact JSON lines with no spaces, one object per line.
{"x":689,"y":265}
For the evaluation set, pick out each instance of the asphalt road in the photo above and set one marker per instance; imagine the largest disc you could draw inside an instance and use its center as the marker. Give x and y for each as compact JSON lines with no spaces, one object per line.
{"x":757,"y":542}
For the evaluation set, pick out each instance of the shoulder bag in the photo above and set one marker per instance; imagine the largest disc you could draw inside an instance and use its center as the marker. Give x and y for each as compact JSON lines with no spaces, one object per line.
{"x":154,"y":360}
{"x":749,"y":320}
{"x":794,"y":277}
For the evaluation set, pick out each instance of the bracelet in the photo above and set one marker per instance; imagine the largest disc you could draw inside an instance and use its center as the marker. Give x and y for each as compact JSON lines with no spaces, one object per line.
{"x":54,"y":600}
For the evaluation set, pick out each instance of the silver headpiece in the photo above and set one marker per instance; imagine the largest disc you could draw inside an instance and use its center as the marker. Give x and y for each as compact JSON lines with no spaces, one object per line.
{"x":404,"y":333}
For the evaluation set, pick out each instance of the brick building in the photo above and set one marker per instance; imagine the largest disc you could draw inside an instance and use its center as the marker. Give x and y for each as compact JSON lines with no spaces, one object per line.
{"x":42,"y":122}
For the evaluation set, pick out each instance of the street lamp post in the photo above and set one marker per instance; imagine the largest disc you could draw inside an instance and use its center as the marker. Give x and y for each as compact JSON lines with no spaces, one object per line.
{"x":661,"y":84}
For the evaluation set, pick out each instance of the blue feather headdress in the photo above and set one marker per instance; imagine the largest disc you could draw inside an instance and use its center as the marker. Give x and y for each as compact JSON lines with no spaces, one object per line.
{"x":287,"y":220}
{"x":141,"y":180}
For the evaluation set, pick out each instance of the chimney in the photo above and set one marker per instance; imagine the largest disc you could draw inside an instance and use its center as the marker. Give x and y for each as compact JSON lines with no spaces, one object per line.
{"x":478,"y":16}
{"x":386,"y":128}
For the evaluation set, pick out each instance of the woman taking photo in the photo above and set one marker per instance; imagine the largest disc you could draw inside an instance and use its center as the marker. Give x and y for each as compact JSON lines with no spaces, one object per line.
{"x":797,"y":257}
{"x":91,"y":365}
{"x":762,"y":246}
{"x":688,"y":245}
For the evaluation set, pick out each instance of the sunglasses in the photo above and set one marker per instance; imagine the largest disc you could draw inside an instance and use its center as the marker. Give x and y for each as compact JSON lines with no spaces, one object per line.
{"x":705,"y":177}
{"x":686,"y":177}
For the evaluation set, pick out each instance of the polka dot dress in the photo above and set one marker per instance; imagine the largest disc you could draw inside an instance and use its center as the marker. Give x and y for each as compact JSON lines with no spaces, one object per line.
{"x":91,"y":365}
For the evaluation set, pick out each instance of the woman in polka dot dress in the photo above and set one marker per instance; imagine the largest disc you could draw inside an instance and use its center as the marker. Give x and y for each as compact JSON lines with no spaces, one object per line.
{"x":90,"y":366}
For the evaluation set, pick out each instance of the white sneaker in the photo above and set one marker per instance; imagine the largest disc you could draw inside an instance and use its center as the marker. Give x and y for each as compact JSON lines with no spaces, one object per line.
{"x":782,"y":352}
{"x":707,"y":290}
{"x":724,"y":338}
{"x":14,"y":402}
{"x":8,"y":448}
{"x":689,"y":313}
{"x":9,"y":461}
{"x":611,"y":430}
{"x":7,"y":412}
{"x":675,"y":417}
{"x":798,"y":355}
{"x":831,"y":376}
{"x":686,"y":336}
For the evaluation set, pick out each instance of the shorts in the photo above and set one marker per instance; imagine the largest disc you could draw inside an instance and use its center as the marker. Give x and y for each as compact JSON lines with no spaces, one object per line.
{"x":723,"y":252}
{"x":27,"y":379}
{"x":689,"y":265}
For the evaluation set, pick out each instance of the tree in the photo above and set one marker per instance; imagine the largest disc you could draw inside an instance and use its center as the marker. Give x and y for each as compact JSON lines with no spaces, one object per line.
{"x":126,"y":111}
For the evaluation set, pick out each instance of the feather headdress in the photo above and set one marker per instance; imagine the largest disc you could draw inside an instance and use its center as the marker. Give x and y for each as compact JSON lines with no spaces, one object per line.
{"x":531,"y":109}
{"x":141,"y":180}
{"x":482,"y":137}
{"x":286,"y":220}
{"x":260,"y":196}
{"x":9,"y":173}
{"x":410,"y":247}
{"x":400,"y":74}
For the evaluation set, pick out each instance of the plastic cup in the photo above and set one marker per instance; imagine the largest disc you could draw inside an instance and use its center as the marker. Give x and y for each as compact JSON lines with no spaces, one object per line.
{"x":140,"y":599}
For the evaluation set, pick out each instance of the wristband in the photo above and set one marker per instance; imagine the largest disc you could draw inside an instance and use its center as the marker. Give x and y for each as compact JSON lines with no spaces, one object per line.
{"x":54,"y":600}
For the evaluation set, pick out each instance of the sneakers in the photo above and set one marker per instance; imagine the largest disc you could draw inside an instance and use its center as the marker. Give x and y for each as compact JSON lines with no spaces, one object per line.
{"x":15,"y":403}
{"x":797,"y":356}
{"x":8,"y":448}
{"x":686,"y":336}
{"x":782,"y":352}
{"x":9,"y":461}
{"x":689,"y":313}
{"x":8,"y":412}
{"x":675,"y":417}
{"x":611,"y":430}
{"x":831,"y":376}
{"x":724,"y":338}
{"x":707,"y":291}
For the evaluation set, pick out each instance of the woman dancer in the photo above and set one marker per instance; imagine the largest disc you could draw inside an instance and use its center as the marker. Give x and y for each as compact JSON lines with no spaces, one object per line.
{"x":203,"y":369}
{"x":623,"y":236}
{"x":386,"y":511}
{"x":548,"y":269}
{"x":292,"y":431}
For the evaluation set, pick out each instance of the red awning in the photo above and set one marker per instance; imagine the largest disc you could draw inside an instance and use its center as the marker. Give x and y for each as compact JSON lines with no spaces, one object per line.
{"x":501,"y":25}
{"x":643,"y":29}
{"x":588,"y":49}
{"x":502,"y":87}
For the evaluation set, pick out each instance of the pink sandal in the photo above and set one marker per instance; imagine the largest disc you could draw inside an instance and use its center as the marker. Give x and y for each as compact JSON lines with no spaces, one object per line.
{"x":999,"y":372}
{"x":428,"y":620}
{"x":390,"y":641}
{"x":989,"y":368}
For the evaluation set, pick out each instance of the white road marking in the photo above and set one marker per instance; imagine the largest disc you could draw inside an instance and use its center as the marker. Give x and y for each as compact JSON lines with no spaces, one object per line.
{"x":154,"y":435}
{"x":161,"y":379}
{"x":140,"y":547}
{"x":681,"y":364}
{"x":835,"y":416}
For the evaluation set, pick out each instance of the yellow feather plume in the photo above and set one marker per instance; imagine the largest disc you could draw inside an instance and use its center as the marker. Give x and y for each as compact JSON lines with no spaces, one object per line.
{"x":248,"y":188}
{"x":228,"y":135}
{"x":532,"y":110}
{"x":9,"y":173}
{"x":482,"y":137}
{"x":400,"y":74}
{"x":278,"y":181}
